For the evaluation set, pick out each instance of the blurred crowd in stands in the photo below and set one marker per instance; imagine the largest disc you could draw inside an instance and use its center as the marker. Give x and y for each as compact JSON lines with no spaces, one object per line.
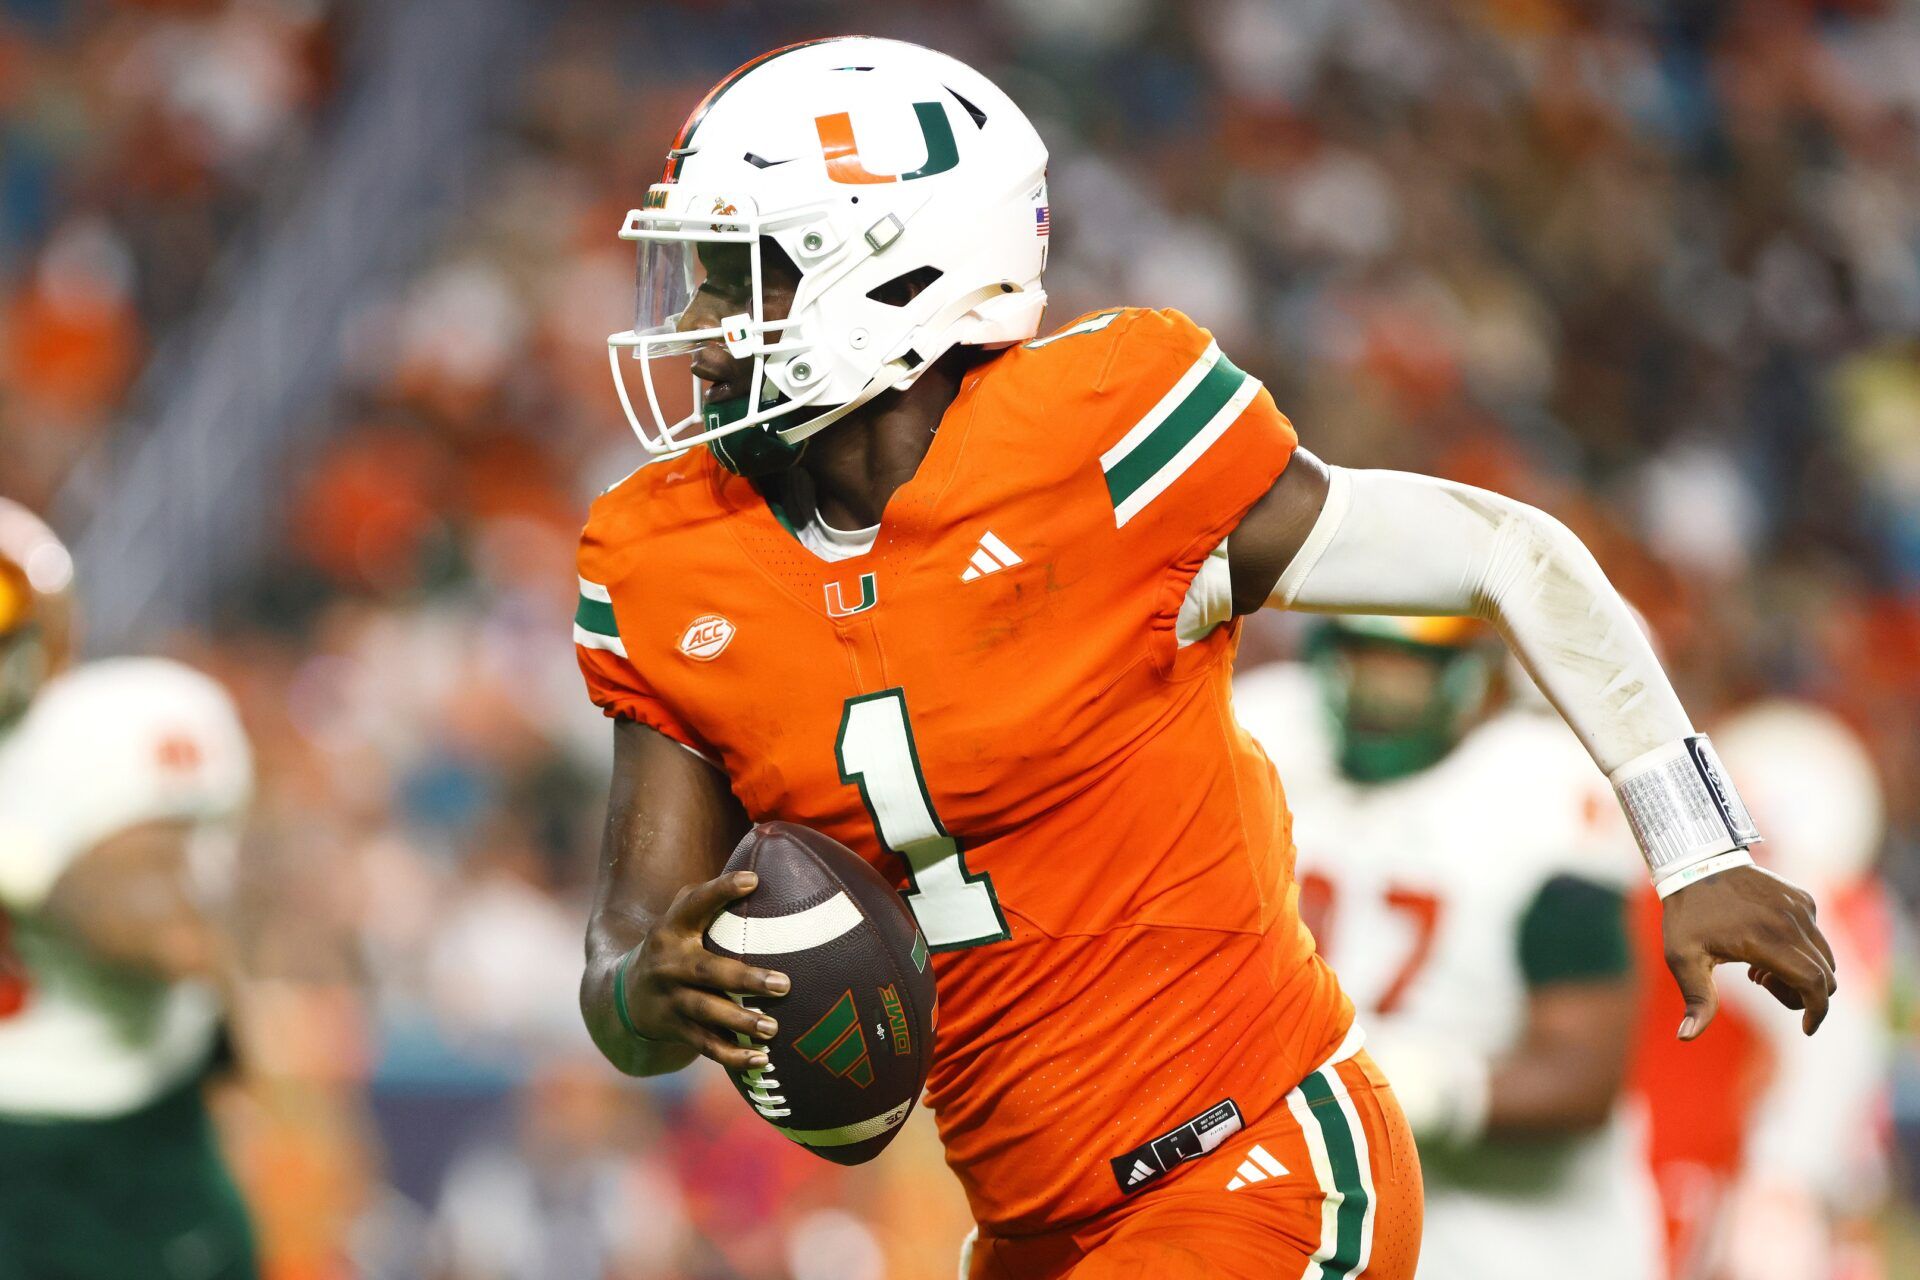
{"x":1652,"y":266}
{"x":137,"y":138}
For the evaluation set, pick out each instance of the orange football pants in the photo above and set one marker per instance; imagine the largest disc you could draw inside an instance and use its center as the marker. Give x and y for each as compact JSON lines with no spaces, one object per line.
{"x":1323,"y":1187}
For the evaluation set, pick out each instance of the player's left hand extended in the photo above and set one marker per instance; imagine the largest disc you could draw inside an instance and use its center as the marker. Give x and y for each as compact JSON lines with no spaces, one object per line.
{"x":1751,"y":916}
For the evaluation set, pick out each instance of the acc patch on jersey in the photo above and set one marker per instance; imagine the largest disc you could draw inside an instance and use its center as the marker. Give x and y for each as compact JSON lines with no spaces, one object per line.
{"x":706,"y":636}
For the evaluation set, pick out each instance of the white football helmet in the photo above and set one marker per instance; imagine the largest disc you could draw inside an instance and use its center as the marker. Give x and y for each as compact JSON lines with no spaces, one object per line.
{"x":865,"y":160}
{"x":1815,"y":790}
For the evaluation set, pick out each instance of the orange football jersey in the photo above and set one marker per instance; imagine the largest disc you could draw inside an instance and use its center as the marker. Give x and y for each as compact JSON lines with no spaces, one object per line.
{"x":992,"y":706}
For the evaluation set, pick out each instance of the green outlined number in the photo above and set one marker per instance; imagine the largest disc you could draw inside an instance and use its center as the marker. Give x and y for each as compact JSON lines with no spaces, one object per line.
{"x":954,"y":907}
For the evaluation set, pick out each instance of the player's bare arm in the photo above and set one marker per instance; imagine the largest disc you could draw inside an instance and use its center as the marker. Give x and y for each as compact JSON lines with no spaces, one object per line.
{"x":131,"y":901}
{"x":1562,"y":1076}
{"x":1567,"y":1071}
{"x":654,"y":997}
{"x":1329,"y":540}
{"x":671,"y":817}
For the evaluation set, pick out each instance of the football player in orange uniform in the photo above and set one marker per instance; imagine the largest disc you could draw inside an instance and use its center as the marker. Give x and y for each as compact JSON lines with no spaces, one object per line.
{"x":964,"y":599}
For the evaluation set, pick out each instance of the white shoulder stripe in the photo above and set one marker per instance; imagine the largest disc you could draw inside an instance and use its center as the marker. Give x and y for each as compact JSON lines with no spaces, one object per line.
{"x":779,"y":935}
{"x":594,"y":591}
{"x":1202,"y":440}
{"x":594,"y":640}
{"x":1160,"y":412}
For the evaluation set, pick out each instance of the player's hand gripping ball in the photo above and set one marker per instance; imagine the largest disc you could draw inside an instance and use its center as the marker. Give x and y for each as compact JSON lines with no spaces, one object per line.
{"x":856,"y":1030}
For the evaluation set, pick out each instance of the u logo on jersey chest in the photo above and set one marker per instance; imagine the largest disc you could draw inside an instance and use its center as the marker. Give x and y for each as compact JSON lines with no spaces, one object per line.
{"x":837,"y":606}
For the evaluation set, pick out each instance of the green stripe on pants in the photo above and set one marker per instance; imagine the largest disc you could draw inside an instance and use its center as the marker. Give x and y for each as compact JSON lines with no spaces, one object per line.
{"x":1345,"y":1161}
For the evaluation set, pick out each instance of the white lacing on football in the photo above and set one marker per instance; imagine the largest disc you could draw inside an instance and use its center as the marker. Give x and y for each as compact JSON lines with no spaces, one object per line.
{"x":760,"y":1083}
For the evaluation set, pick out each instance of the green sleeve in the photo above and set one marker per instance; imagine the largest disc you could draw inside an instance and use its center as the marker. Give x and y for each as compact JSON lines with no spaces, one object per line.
{"x":1575,"y":930}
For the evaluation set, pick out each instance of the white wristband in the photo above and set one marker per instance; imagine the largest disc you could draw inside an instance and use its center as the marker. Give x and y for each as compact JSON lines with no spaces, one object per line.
{"x":1683,"y":809}
{"x":1675,"y":881}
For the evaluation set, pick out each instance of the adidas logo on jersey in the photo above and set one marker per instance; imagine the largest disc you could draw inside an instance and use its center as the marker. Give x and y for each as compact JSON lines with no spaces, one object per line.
{"x":1257,"y":1167}
{"x":991,"y":556}
{"x":1133,"y":1172}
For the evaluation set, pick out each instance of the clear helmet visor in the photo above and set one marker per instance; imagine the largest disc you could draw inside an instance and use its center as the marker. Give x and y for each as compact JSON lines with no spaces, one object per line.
{"x":689,"y":273}
{"x":699,"y":283}
{"x":669,"y":276}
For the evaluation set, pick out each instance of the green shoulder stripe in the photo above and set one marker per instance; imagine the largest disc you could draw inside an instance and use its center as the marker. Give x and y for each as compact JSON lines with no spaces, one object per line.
{"x":1159,"y":448}
{"x":594,"y":626}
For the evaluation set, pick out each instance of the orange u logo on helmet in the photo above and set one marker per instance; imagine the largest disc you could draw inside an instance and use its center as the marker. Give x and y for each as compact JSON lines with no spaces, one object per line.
{"x":843,"y":153}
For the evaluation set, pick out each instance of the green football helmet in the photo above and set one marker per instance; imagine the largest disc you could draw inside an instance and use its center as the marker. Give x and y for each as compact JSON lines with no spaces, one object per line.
{"x":1401,"y":692}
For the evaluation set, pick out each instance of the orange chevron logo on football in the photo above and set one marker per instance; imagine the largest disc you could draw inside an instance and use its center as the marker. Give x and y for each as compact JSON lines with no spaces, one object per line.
{"x":838,"y":1044}
{"x":706,"y":636}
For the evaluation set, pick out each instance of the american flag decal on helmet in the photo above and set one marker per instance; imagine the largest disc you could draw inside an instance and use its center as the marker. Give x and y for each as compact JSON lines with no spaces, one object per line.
{"x":1043,"y":220}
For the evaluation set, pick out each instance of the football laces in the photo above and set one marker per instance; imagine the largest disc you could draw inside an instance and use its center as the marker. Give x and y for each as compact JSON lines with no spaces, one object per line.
{"x":759,"y":1090}
{"x":759,"y":1080}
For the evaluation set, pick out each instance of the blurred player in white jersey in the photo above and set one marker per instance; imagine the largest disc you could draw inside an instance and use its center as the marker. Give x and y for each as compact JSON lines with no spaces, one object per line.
{"x":1465,"y":870}
{"x":121,"y":787}
{"x":1780,"y":1174}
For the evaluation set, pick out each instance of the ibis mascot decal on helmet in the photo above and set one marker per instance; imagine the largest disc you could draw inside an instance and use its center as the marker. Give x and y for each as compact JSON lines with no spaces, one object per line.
{"x":863,"y":161}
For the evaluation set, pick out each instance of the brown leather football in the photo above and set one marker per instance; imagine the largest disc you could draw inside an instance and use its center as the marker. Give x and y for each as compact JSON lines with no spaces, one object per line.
{"x":856,"y":1030}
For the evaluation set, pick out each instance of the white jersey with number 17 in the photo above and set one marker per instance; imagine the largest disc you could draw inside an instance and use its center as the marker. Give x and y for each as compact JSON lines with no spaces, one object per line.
{"x":1443,"y":898}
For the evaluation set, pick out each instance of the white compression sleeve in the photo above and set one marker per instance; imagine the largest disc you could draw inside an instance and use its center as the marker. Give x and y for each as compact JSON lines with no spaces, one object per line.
{"x":1389,"y":542}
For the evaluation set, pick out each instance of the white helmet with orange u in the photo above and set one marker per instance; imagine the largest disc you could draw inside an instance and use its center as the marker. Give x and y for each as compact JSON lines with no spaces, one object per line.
{"x":865,"y":161}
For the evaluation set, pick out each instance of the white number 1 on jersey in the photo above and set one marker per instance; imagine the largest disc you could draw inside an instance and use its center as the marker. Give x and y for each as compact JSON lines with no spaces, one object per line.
{"x":955,"y":907}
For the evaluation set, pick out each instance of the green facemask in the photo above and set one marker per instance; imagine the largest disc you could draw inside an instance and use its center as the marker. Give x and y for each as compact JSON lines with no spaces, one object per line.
{"x":1374,"y":754}
{"x":754,"y":453}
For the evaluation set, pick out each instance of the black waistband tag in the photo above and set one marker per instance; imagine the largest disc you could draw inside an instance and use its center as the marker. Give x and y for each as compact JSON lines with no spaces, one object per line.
{"x":1149,"y":1162}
